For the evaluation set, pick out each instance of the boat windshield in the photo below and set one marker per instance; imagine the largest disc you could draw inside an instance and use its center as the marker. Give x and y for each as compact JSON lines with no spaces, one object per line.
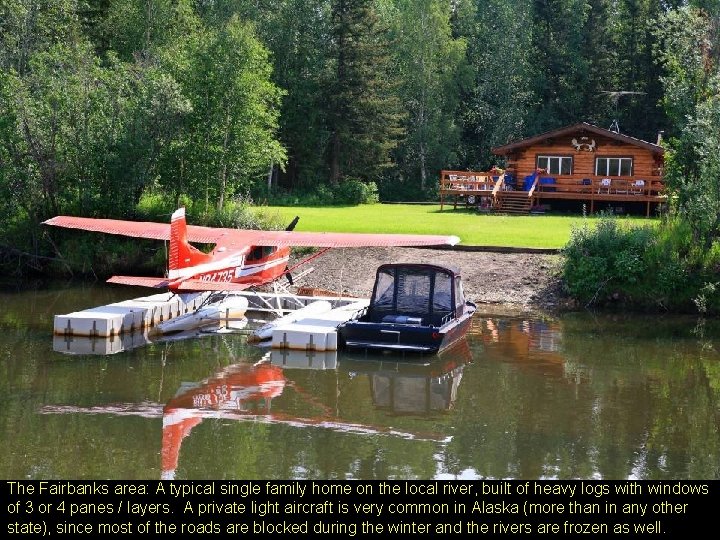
{"x":413,"y":292}
{"x":385,"y":290}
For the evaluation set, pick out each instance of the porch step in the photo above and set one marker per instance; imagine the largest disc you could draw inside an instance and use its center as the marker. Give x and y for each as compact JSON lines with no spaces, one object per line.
{"x":513,"y":202}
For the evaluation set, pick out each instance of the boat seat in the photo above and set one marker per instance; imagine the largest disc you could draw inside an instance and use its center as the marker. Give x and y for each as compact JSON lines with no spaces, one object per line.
{"x":402,"y":319}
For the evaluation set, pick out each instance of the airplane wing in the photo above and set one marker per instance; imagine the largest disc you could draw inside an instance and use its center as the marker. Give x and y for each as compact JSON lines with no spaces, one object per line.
{"x":186,"y":285}
{"x":139,"y":281}
{"x":136,"y":229}
{"x":331,"y":239}
{"x":245,"y":237}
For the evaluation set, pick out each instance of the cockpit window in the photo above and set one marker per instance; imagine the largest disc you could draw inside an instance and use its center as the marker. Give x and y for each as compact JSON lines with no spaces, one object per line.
{"x":260,"y":252}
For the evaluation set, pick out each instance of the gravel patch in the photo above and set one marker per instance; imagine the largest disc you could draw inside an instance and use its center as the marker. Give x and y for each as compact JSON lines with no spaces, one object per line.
{"x":526,"y":281}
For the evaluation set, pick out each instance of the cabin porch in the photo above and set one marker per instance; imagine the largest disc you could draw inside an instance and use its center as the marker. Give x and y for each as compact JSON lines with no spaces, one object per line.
{"x":499,"y":191}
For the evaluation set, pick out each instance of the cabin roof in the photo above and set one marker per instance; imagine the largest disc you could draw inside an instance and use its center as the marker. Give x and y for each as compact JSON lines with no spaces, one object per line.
{"x":454,"y":270}
{"x":582,"y":127}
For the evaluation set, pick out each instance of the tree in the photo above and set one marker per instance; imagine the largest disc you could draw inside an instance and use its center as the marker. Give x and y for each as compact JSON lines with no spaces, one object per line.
{"x":629,"y":67}
{"x":230,"y":136}
{"x":29,"y":26}
{"x":497,"y":107}
{"x":430,"y":70}
{"x":691,"y":57}
{"x":363,"y":113}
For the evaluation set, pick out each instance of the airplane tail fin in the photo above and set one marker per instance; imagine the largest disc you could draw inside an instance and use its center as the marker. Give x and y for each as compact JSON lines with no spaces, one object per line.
{"x":182,"y":254}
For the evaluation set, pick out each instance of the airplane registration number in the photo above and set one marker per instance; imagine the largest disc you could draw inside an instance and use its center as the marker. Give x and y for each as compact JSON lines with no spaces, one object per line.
{"x":223,"y":275}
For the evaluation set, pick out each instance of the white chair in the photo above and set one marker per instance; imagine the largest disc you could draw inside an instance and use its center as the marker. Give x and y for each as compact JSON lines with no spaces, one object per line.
{"x":637,"y":187}
{"x":605,"y":184}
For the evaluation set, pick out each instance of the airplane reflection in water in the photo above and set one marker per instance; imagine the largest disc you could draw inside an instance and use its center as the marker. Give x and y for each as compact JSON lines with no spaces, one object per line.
{"x":246,"y":391}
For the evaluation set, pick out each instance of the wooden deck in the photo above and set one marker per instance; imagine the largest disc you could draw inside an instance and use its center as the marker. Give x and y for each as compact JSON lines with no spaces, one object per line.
{"x":488,"y":190}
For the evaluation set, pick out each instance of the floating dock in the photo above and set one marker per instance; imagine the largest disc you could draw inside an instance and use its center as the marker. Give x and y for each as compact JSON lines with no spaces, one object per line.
{"x":318,"y":332}
{"x":129,"y":324}
{"x":128,"y":316}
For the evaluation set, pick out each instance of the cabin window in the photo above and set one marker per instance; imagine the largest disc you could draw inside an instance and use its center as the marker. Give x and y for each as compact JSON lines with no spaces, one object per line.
{"x":555,"y":164}
{"x":260,"y":252}
{"x":613,"y":166}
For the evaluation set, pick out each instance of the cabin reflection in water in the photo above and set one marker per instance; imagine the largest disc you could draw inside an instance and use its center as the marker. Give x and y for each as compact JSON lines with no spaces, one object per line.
{"x":532,"y":343}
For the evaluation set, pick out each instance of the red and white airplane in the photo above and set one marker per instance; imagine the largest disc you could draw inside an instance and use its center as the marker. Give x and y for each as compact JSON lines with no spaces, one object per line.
{"x":241,"y":258}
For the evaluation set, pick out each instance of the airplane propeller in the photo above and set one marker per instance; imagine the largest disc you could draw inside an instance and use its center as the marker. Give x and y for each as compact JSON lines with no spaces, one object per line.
{"x":292,"y":224}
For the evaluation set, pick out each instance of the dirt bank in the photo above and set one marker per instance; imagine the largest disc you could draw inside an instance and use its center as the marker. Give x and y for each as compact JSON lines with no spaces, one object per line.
{"x":519,"y":280}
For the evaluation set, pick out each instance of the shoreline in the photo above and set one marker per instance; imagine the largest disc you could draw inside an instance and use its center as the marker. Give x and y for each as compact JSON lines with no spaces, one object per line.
{"x":525,"y":281}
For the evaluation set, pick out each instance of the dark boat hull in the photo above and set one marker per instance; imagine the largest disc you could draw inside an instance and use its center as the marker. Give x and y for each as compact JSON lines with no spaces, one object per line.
{"x":404,"y":338}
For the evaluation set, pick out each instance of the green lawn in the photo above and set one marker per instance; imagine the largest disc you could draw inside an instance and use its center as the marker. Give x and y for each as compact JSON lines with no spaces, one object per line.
{"x":540,"y":231}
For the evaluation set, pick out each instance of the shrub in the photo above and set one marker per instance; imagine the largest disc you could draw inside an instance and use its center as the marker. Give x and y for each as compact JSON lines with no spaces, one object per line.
{"x":354,"y":191}
{"x":642,"y":267}
{"x":240,"y":213}
{"x":351,"y":191}
{"x":606,"y":263}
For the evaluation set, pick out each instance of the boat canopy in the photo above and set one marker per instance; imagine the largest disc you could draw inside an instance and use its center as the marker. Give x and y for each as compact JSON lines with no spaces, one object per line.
{"x":417,"y":290}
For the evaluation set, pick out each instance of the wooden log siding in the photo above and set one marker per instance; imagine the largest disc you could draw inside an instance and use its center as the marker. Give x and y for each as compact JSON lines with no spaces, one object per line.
{"x":584,"y":161}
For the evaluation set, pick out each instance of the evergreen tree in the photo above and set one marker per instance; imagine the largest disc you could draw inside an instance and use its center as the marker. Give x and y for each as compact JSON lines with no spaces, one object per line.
{"x":496,"y":107}
{"x":364,"y":117}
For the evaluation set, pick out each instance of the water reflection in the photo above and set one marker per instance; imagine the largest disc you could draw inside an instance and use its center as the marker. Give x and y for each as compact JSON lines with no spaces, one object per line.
{"x":100,"y":345}
{"x":310,"y":359}
{"x":240,"y":389}
{"x":246,"y":392}
{"x":409,"y":387}
{"x":535,"y":344}
{"x":578,"y":396}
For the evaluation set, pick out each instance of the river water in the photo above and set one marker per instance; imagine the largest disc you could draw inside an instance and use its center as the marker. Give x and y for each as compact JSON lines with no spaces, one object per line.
{"x":581,"y":396}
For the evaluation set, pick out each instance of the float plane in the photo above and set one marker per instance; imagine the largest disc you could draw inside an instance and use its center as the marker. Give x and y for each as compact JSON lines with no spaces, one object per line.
{"x":240,"y":259}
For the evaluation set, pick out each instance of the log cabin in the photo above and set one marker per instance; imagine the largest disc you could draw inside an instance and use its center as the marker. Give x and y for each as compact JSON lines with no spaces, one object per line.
{"x":574,"y":167}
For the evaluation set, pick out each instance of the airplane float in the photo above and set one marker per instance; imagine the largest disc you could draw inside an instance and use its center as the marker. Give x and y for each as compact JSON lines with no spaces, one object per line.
{"x":240,"y":259}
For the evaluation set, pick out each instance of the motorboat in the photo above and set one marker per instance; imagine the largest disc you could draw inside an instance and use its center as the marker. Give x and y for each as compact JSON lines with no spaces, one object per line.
{"x":415,"y":307}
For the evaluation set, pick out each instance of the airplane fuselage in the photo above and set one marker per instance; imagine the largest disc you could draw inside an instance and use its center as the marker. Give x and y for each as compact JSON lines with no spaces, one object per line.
{"x":255,"y":265}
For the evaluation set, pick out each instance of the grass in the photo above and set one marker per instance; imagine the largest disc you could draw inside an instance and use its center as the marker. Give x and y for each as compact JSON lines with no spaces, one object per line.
{"x":537,"y":231}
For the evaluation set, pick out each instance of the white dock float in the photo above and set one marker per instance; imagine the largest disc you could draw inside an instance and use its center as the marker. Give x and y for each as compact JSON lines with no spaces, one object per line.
{"x":289,"y":359}
{"x":70,"y":344}
{"x":127,"y":316}
{"x":337,"y":316}
{"x":92,"y":323}
{"x":305,"y":337}
{"x":317,"y":332}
